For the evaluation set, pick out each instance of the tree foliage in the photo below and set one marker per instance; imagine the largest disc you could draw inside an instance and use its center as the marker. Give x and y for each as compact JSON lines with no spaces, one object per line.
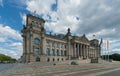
{"x":6,"y":58}
{"x":115,"y":57}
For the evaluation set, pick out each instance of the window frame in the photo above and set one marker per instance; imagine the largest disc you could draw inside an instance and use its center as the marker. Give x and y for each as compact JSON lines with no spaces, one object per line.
{"x":37,"y":41}
{"x":36,"y":51}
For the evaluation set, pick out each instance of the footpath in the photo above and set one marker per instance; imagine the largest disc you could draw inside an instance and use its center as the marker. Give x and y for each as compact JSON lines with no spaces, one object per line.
{"x":35,"y":69}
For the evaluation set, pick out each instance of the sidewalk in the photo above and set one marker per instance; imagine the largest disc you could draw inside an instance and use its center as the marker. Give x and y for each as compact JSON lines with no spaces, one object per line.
{"x":36,"y":69}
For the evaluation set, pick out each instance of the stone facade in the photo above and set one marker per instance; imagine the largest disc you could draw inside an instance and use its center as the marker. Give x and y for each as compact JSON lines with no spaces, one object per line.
{"x":38,"y":46}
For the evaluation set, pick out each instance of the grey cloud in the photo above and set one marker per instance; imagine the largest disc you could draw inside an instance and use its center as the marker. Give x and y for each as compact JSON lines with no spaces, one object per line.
{"x":95,"y":17}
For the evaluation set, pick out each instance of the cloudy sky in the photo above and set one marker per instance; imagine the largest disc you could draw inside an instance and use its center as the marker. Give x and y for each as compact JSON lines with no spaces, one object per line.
{"x":90,"y":17}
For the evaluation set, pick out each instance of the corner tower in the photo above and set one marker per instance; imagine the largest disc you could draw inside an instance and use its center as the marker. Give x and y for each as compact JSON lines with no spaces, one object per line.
{"x":33,"y":39}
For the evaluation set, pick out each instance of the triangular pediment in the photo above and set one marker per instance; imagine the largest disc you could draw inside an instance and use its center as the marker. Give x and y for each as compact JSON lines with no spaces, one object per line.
{"x":84,"y":39}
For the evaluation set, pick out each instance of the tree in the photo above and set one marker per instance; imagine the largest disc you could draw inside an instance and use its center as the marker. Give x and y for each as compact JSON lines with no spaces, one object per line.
{"x":115,"y":57}
{"x":6,"y":58}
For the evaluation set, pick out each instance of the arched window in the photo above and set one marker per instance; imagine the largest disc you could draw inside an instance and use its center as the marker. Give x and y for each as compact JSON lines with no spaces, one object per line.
{"x":58,"y":59}
{"x":39,"y":24}
{"x":53,"y":52}
{"x":48,"y":60}
{"x":37,"y":59}
{"x":36,"y":41}
{"x":57,"y":52}
{"x":62,"y":59}
{"x":32,"y":22}
{"x":36,"y":51}
{"x":53,"y":59}
{"x":61,"y":52}
{"x":47,"y":51}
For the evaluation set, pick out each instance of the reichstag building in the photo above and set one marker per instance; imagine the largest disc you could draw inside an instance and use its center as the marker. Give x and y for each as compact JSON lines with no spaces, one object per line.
{"x":38,"y":46}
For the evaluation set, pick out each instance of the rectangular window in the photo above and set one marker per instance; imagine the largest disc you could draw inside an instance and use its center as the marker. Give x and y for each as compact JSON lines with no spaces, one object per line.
{"x":57,"y":45}
{"x":36,"y":51}
{"x":53,"y":52}
{"x":47,"y":51}
{"x":65,"y":53}
{"x":52,"y":44}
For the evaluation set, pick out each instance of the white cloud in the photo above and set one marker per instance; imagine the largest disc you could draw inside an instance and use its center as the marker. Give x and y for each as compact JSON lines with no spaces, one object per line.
{"x":2,"y":39}
{"x":12,"y":53}
{"x":16,"y":44}
{"x":8,"y":32}
{"x":8,"y":46}
{"x":64,"y":17}
{"x":40,"y":6}
{"x":23,"y":16}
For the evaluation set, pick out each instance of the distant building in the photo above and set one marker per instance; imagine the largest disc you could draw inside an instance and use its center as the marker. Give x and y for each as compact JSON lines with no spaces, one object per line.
{"x":39,"y":46}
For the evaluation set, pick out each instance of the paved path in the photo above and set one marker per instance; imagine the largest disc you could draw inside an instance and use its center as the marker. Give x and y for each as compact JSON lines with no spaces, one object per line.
{"x":6,"y":66}
{"x":60,"y":70}
{"x":111,"y":73}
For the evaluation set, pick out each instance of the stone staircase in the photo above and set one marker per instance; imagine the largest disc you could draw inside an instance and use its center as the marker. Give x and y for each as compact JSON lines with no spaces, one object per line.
{"x":79,"y":61}
{"x":68,"y":62}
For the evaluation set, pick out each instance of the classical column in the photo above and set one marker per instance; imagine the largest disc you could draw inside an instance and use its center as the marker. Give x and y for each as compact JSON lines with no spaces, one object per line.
{"x":43,"y":39}
{"x":24,"y":49}
{"x":74,"y":50}
{"x":97,"y":52}
{"x":78,"y":50}
{"x":51,"y":48}
{"x":24,"y":45}
{"x":93,"y":52}
{"x":84,"y":51}
{"x":90,"y":52}
{"x":87,"y":51}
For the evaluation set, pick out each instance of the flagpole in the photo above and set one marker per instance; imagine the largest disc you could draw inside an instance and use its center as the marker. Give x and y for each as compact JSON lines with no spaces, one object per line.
{"x":102,"y":49}
{"x":105,"y":51}
{"x":108,"y":49}
{"x":102,"y":52}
